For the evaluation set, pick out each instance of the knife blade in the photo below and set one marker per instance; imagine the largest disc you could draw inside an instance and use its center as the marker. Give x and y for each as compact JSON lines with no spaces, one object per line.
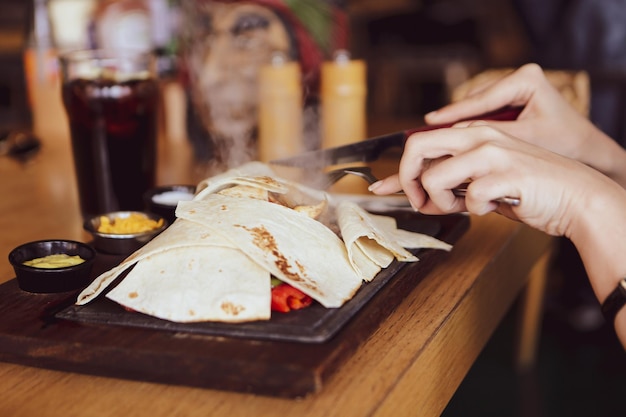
{"x":369,"y":150}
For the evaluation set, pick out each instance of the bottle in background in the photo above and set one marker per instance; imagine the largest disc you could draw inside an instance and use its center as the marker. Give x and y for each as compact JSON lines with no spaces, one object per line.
{"x":343,"y":109}
{"x":280,"y":109}
{"x":343,"y":94}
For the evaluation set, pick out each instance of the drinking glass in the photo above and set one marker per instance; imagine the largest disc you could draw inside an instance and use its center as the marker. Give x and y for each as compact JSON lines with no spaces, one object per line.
{"x":111,"y":100}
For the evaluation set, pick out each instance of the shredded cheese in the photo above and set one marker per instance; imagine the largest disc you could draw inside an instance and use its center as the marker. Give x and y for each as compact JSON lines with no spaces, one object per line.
{"x":134,"y":223}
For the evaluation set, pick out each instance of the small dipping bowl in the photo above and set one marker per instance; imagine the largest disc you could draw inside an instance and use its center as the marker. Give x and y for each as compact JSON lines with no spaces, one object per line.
{"x":163,"y":200}
{"x":52,"y":280}
{"x":121,"y":243}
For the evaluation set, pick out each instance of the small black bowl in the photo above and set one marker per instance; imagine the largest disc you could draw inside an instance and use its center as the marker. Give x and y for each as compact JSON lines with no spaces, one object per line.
{"x":52,"y":280}
{"x":163,"y":200}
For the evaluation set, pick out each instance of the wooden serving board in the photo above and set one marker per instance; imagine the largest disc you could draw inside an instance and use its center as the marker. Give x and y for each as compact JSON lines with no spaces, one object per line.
{"x":31,"y":333}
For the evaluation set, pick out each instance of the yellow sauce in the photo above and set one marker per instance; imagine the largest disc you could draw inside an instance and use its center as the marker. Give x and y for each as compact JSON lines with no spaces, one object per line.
{"x":59,"y":260}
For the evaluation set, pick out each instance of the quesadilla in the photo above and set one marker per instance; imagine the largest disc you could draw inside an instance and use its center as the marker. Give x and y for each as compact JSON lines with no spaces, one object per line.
{"x":290,"y":245}
{"x":374,"y":241}
{"x":254,"y":174}
{"x":180,"y":234}
{"x":191,"y":284}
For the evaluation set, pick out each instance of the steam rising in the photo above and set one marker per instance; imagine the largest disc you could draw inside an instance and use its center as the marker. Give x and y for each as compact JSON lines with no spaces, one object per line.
{"x":225,"y":43}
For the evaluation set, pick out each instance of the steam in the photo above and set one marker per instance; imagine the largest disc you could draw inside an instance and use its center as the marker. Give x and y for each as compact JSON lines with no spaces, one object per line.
{"x":222,"y":67}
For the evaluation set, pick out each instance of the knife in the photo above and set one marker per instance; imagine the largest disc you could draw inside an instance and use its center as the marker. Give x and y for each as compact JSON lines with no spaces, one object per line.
{"x":369,"y":150}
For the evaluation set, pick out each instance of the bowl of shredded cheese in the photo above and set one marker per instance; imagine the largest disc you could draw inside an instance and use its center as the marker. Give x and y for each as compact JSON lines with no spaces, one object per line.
{"x":123,"y":232}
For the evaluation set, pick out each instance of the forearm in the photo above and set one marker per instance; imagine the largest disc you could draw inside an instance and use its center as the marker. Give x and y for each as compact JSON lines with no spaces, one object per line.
{"x":605,"y":155}
{"x":600,"y":237}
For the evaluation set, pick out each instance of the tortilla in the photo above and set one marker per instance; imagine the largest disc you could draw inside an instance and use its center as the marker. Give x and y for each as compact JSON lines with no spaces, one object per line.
{"x":249,"y":169}
{"x":373,"y":241}
{"x":246,"y":191}
{"x":253,"y":174}
{"x":191,"y":284}
{"x":180,"y":234}
{"x":293,"y":247}
{"x":258,"y":183}
{"x":412,"y":240}
{"x":406,"y":238}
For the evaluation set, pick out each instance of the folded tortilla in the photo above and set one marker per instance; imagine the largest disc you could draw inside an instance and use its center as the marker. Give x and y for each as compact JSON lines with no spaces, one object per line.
{"x":373,"y":241}
{"x":192,"y":284}
{"x":406,"y":238}
{"x":180,"y":234}
{"x":253,"y":174}
{"x":292,"y":246}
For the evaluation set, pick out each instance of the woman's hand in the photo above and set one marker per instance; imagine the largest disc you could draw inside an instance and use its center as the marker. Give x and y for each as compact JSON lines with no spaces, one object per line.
{"x":558,"y":195}
{"x":554,"y":191}
{"x":547,"y":120}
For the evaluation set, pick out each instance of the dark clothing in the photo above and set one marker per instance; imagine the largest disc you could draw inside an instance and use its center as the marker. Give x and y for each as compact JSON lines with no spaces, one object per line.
{"x":588,"y":35}
{"x":582,"y":35}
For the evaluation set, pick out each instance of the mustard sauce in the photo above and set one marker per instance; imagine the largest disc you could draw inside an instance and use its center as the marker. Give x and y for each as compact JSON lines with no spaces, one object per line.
{"x":59,"y":260}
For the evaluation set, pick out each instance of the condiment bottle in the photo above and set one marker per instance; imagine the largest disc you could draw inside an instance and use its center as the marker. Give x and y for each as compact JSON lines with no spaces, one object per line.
{"x":280,"y":109}
{"x":343,"y":111}
{"x":42,"y":76}
{"x":343,"y":93}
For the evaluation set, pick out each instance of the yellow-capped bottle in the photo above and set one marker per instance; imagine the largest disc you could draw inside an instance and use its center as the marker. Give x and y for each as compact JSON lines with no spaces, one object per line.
{"x":280,"y":109}
{"x":343,"y":111}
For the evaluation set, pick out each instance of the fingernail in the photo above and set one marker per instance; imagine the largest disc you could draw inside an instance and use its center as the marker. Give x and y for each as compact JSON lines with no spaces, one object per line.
{"x":431,"y":114}
{"x":415,"y":209}
{"x":374,"y":186}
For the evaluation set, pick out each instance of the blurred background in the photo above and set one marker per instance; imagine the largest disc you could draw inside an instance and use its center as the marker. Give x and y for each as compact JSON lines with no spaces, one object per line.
{"x":417,"y":54}
{"x":416,"y":51}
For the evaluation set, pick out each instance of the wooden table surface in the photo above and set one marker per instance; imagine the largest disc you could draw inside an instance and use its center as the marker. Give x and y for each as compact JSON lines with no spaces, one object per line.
{"x":410,"y":366}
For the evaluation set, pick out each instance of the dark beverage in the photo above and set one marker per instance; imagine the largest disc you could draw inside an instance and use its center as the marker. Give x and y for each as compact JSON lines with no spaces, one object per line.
{"x":113,"y":128}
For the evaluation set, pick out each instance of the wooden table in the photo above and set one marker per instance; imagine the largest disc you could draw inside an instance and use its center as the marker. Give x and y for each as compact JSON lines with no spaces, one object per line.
{"x":411,"y":365}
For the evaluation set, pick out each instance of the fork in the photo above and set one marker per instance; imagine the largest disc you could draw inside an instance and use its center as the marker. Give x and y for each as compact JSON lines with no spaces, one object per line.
{"x":365,"y":173}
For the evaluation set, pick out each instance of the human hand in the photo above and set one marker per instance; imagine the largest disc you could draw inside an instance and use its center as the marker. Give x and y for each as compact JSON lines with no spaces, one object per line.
{"x":554,"y":191}
{"x":547,"y":120}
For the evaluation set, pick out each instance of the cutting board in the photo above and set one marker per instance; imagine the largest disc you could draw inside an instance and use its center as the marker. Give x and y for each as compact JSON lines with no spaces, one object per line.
{"x":34,"y":332}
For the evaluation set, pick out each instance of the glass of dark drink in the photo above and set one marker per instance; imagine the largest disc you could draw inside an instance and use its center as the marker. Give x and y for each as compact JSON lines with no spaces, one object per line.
{"x":111,"y":100}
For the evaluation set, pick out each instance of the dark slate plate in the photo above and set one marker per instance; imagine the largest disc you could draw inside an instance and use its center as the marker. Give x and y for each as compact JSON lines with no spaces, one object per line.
{"x":315,"y":324}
